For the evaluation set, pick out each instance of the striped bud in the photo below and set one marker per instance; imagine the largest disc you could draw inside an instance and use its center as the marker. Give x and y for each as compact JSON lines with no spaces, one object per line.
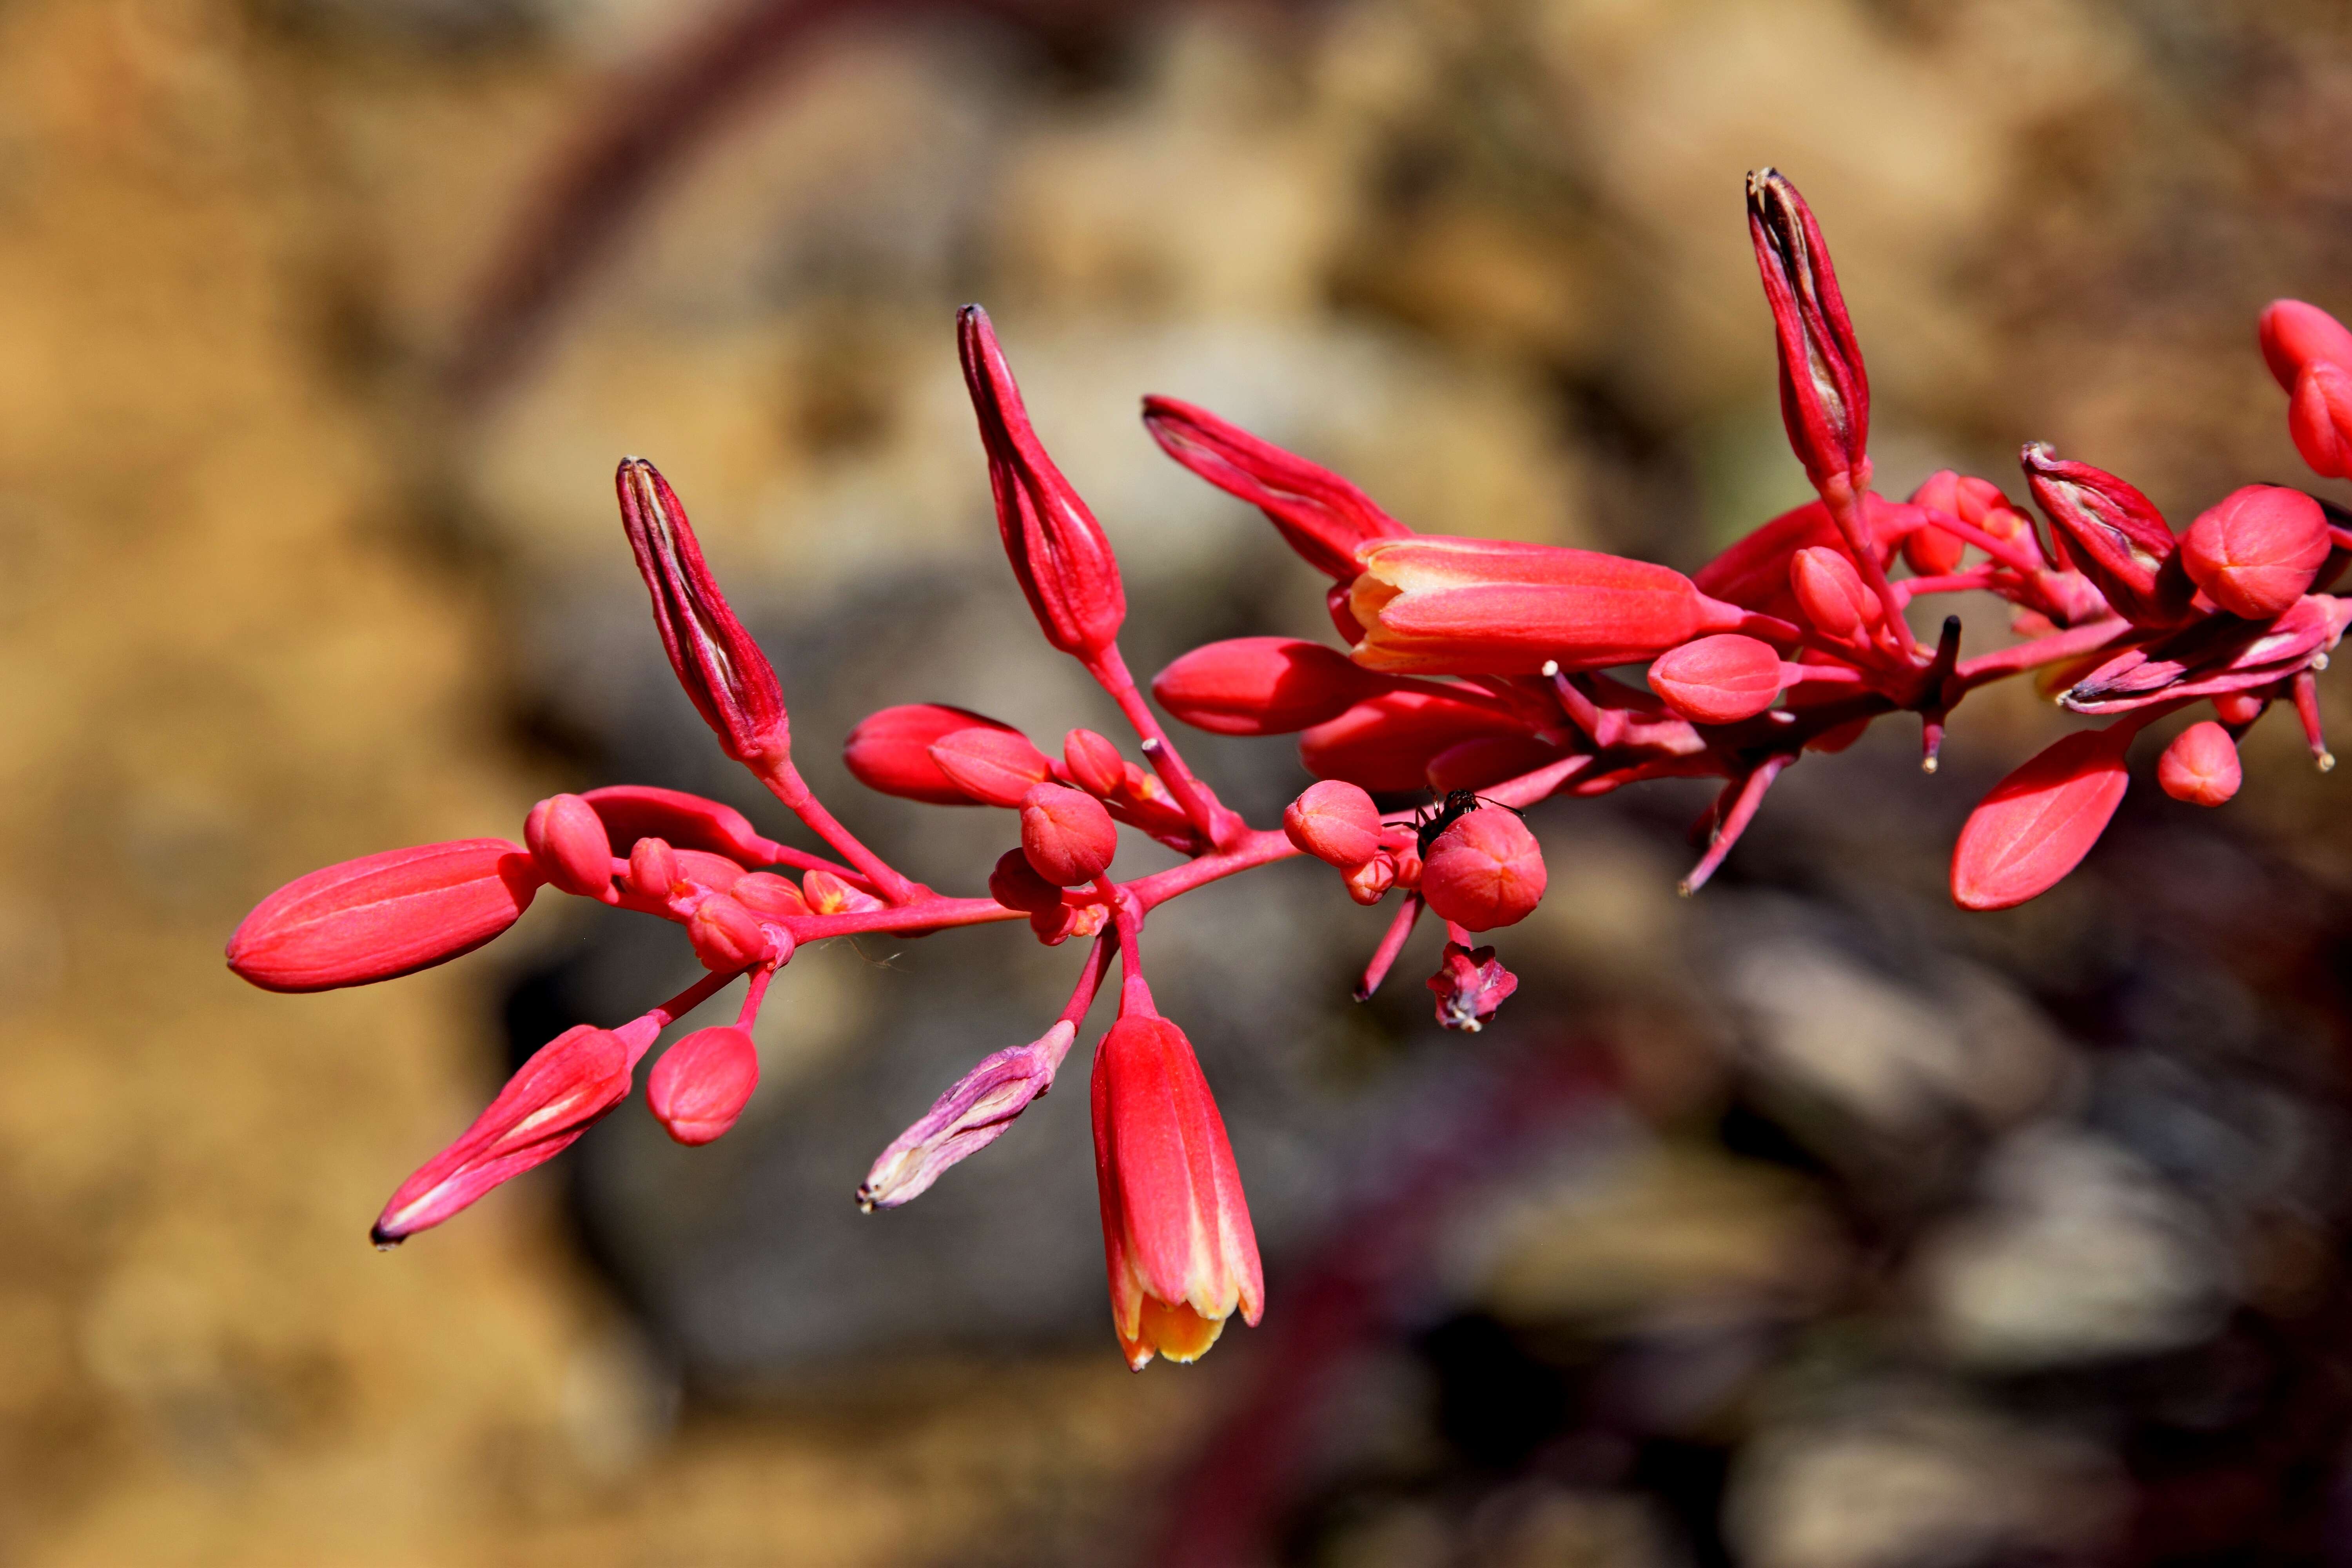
{"x":1719,"y":679}
{"x":2114,"y":535}
{"x":567,"y":838}
{"x":2255,"y":552}
{"x":1336,"y":822}
{"x":1831,"y":593}
{"x":2200,"y":766}
{"x":1485,"y":870}
{"x":1825,"y":390}
{"x":890,"y":752}
{"x":1067,"y":836}
{"x":1016,"y":884}
{"x":384,"y":915}
{"x":1094,"y":762}
{"x":726,"y":935}
{"x":995,"y":767}
{"x":2039,"y":822}
{"x":1260,"y":686}
{"x":699,"y":1086}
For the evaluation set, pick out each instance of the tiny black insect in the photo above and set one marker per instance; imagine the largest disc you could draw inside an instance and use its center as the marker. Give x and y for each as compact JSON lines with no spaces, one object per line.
{"x":1457,"y":804}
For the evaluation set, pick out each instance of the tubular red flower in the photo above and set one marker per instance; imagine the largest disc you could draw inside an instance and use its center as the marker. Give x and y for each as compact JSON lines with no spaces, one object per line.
{"x":1484,"y":606}
{"x":1260,"y":686}
{"x":699,"y":1086}
{"x":1059,"y":554}
{"x":2200,"y":766}
{"x":1320,"y":515}
{"x":1825,"y":390}
{"x":567,"y":839}
{"x":1177,"y":1241}
{"x":1719,"y":679}
{"x":1067,"y":836}
{"x":1336,"y":822}
{"x":1386,"y":743}
{"x":995,"y":767}
{"x":1484,"y":872}
{"x":725,"y":674}
{"x":2039,"y":822}
{"x":890,"y":750}
{"x":384,"y":915}
{"x":566,"y":1087}
{"x":2255,"y":552}
{"x":2115,"y":536}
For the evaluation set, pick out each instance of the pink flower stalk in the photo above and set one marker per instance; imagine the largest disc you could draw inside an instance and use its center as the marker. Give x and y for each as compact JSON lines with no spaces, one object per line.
{"x":384,"y":915}
{"x":1177,"y":1240}
{"x":1064,"y":563}
{"x":724,"y":672}
{"x":1320,"y":515}
{"x":1470,"y":984}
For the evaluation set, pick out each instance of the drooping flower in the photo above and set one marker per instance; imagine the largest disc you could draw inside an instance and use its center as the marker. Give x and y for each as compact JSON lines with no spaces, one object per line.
{"x":977,"y":1110}
{"x":1470,"y":984}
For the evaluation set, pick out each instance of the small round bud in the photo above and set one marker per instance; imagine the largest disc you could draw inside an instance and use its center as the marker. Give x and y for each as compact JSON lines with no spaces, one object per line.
{"x":1066,"y":834}
{"x":1015,"y":883}
{"x":995,"y":767}
{"x":2255,"y":551}
{"x":1717,"y":679}
{"x":652,"y":869}
{"x":1369,"y":882}
{"x":567,"y":838}
{"x":2240,"y":709}
{"x":1336,"y":822}
{"x":701,"y":1084}
{"x":726,"y":935}
{"x":1094,"y":761}
{"x":1484,"y":872}
{"x":1830,"y":592}
{"x":2200,"y":766}
{"x":769,"y":895}
{"x":1931,"y":552}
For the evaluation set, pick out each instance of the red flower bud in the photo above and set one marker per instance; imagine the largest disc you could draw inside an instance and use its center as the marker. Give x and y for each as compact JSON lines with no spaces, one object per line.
{"x":2240,"y":709}
{"x":724,"y":672}
{"x":1484,"y":872}
{"x":1931,"y":552}
{"x":2319,"y":418}
{"x":1825,"y":390}
{"x":2255,"y":552}
{"x":384,"y":915}
{"x":1059,"y":554}
{"x":829,"y":895}
{"x":1066,"y":834}
{"x":567,"y":839}
{"x":631,"y":812}
{"x":726,"y":935}
{"x":995,"y":767}
{"x":1719,"y":679}
{"x":2294,"y":335}
{"x":1177,"y":1239}
{"x":1470,"y":986}
{"x":2039,"y":822}
{"x":1260,"y":686}
{"x":1386,"y":742}
{"x":890,"y":752}
{"x":701,"y":1084}
{"x":1094,"y":762}
{"x":1484,"y":606}
{"x":652,"y":869}
{"x":1336,"y":822}
{"x":568,"y":1084}
{"x":1320,"y":515}
{"x":769,"y":895}
{"x":1369,"y":883}
{"x":1487,"y":760}
{"x":1015,"y":883}
{"x":2200,"y":766}
{"x":2114,"y":535}
{"x":1831,"y":593}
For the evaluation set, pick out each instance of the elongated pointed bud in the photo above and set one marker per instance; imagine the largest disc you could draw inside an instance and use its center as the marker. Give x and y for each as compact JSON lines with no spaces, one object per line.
{"x":2200,"y":766}
{"x":1016,"y":884}
{"x":725,"y":674}
{"x":631,"y":812}
{"x":1719,"y":679}
{"x":2039,"y":822}
{"x":1094,"y":762}
{"x":2294,"y":335}
{"x":1260,"y":686}
{"x":1320,"y":515}
{"x":1059,"y":554}
{"x":567,"y":838}
{"x":1830,"y":592}
{"x":1336,"y":822}
{"x":890,"y":750}
{"x":1485,"y":606}
{"x":995,"y":767}
{"x":1825,"y":390}
{"x":1471,"y":984}
{"x":699,"y":1086}
{"x":975,"y":1112}
{"x":2115,"y":535}
{"x":1484,"y":872}
{"x":1067,"y":836}
{"x":566,"y":1087}
{"x":2255,"y":552}
{"x":1177,"y":1239}
{"x":384,"y":915}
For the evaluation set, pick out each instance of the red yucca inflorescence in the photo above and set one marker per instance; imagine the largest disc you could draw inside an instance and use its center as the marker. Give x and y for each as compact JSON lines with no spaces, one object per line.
{"x":1476,"y":670}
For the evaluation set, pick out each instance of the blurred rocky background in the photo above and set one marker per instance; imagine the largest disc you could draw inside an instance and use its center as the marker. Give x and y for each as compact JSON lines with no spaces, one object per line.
{"x":1805,"y":1224}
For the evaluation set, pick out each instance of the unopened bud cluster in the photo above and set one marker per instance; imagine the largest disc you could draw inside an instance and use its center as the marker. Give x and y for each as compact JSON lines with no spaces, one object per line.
{"x":1471,"y":679}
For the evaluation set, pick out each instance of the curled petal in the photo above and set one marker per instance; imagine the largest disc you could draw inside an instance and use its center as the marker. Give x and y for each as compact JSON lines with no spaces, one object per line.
{"x":1321,"y":515}
{"x":972,"y":1114}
